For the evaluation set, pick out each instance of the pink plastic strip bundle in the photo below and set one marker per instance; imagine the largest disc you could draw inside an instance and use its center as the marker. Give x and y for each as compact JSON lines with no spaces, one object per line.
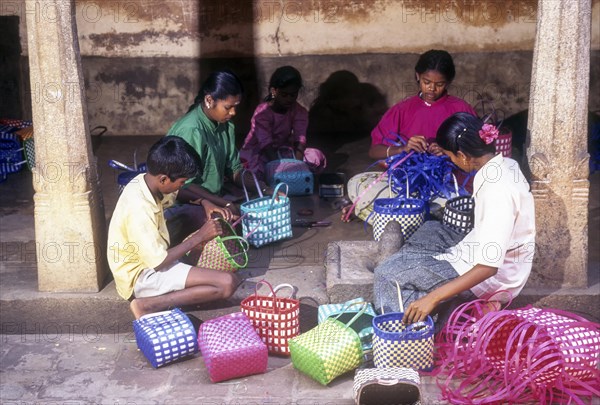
{"x":543,"y":356}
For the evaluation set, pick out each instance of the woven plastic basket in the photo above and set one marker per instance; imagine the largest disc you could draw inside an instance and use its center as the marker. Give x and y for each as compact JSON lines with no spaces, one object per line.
{"x":458,"y":214}
{"x":275,"y":319}
{"x":226,"y":252}
{"x":504,"y":142}
{"x":164,"y":337}
{"x":527,"y":355}
{"x":231,"y":348}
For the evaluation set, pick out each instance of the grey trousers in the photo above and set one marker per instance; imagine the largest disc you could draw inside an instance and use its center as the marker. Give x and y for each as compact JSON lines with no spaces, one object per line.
{"x":417,"y":272}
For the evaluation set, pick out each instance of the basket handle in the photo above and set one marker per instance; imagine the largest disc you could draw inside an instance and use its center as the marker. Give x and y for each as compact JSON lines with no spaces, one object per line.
{"x":398,"y":163}
{"x":282,"y":286}
{"x":265,"y":282}
{"x":255,"y":183}
{"x":399,"y":299}
{"x":355,"y":317}
{"x":120,"y":166}
{"x":272,"y":295}
{"x":289,"y":149}
{"x":152,"y":315}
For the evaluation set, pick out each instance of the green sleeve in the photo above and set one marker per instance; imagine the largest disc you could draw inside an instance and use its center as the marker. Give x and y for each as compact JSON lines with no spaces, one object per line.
{"x":192,"y":136}
{"x":234,"y":164}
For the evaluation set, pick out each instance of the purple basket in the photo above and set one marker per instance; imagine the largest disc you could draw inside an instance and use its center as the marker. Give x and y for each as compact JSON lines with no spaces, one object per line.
{"x":231,"y":348}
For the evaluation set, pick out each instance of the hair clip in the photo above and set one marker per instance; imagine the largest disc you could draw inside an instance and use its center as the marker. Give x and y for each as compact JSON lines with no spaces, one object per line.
{"x":461,"y":134}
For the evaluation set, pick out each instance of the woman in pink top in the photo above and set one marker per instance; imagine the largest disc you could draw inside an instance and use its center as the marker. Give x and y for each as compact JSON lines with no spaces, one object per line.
{"x":417,"y":118}
{"x":280,"y":121}
{"x":411,"y":124}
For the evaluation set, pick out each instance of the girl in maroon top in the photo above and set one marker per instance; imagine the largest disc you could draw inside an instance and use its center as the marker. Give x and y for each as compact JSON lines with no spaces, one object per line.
{"x":411,"y":124}
{"x":417,"y":118}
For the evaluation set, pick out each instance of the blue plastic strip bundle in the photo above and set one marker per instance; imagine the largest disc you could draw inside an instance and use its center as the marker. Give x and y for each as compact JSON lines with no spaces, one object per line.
{"x":429,"y":176}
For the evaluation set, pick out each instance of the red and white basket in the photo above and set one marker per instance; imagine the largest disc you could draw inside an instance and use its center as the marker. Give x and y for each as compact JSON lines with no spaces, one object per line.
{"x":275,"y":319}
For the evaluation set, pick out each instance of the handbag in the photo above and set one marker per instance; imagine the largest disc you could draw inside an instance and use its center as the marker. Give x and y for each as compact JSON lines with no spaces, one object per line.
{"x":275,"y":319}
{"x":11,"y":152}
{"x":408,"y":212}
{"x":387,"y":386}
{"x":266,"y":219}
{"x":226,"y":252}
{"x":526,"y":355}
{"x":459,"y":212}
{"x":291,"y":171}
{"x":128,"y":173}
{"x":231,"y":348}
{"x":396,"y":344}
{"x":363,"y":325}
{"x":164,"y":337}
{"x":363,"y":189}
{"x":328,"y":350}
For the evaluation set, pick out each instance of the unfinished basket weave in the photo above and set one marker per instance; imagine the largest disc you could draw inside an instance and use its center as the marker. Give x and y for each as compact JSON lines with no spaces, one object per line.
{"x":542,"y":356}
{"x":458,"y":214}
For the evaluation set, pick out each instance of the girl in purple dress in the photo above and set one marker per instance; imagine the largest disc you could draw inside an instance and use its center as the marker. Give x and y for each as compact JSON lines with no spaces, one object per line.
{"x":280,"y":121}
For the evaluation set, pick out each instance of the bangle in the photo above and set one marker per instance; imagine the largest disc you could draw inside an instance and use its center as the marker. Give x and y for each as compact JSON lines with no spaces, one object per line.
{"x":387,"y":152}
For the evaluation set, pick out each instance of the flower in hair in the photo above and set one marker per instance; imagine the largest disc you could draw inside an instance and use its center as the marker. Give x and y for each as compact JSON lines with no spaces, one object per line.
{"x":488,"y":133}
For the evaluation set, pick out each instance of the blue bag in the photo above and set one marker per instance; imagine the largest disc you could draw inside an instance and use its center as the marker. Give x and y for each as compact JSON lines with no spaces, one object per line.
{"x":293,"y":172}
{"x":363,"y":326}
{"x":266,"y":219}
{"x":166,"y":336}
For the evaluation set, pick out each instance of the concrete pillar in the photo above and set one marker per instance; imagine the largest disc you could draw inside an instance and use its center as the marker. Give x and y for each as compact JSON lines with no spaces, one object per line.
{"x":69,"y":213}
{"x":557,"y":152}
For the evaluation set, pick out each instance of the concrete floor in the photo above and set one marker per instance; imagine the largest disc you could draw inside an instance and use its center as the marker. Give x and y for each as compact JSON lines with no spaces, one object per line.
{"x":79,"y":348}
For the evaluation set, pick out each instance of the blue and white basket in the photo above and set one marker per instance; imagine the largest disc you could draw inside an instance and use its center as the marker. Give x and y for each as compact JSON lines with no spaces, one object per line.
{"x":291,"y":171}
{"x":266,"y":219}
{"x":11,"y":152}
{"x":166,"y":336}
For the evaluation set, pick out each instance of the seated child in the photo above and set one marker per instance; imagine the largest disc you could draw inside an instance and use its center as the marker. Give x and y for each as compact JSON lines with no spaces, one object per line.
{"x":439,"y":267}
{"x":280,"y":121}
{"x":411,"y":124}
{"x":145,"y":267}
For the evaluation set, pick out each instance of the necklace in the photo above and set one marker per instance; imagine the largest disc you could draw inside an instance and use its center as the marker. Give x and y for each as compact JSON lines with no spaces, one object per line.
{"x":426,"y":103}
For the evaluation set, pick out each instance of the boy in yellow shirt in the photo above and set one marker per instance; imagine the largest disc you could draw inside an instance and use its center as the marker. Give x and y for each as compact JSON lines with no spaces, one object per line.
{"x":147,"y":271}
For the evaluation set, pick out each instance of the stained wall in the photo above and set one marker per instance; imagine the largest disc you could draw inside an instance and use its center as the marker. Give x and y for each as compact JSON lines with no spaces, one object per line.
{"x":143,"y":60}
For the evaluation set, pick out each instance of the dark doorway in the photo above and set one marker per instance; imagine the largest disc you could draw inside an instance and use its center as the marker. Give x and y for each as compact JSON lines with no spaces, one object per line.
{"x":10,"y":54}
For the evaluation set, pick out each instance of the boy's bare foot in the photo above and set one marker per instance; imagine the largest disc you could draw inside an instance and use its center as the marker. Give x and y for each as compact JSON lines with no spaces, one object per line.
{"x":137,"y":309}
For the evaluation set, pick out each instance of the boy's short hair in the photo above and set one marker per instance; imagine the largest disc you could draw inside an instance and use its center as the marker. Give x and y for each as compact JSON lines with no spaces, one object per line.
{"x":173,"y":157}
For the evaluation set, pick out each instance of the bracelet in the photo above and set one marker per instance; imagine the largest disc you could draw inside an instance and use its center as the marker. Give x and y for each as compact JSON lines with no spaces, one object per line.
{"x":387,"y":152}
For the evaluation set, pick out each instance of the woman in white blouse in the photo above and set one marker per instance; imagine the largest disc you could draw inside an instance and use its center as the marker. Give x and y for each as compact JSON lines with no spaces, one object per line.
{"x":438,"y":268}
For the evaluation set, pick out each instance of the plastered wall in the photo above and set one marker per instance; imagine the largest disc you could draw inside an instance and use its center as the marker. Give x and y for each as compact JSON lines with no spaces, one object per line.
{"x":143,"y":60}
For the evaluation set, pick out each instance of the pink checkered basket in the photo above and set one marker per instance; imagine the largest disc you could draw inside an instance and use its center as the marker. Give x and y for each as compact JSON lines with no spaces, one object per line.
{"x":527,"y":355}
{"x":227,"y":252}
{"x":276,"y":319}
{"x":231,"y":348}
